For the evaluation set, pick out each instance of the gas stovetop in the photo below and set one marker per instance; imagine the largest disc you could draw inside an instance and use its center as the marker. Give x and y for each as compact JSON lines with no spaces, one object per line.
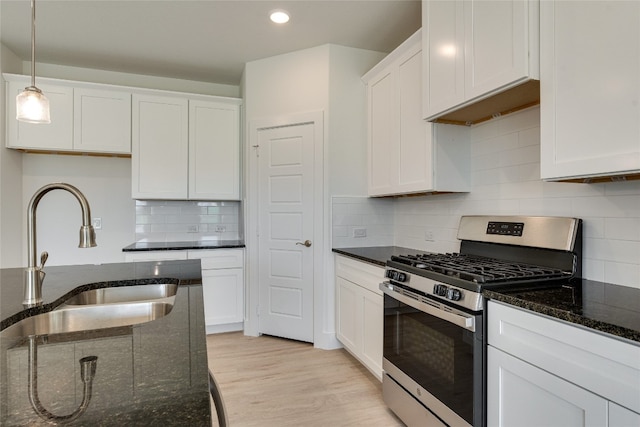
{"x":495,"y":252}
{"x":478,"y":269}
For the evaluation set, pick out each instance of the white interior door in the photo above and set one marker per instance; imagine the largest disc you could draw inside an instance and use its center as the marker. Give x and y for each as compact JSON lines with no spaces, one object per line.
{"x":286,"y":221}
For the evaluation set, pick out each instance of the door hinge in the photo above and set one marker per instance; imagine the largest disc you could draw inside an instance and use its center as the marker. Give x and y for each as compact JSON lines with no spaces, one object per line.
{"x":257,"y":147}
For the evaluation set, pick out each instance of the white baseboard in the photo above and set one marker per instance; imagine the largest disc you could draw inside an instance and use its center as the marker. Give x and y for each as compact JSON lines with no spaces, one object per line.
{"x":227,"y":327}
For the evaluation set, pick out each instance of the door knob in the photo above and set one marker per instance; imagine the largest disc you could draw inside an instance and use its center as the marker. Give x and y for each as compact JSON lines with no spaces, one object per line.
{"x":306,"y":243}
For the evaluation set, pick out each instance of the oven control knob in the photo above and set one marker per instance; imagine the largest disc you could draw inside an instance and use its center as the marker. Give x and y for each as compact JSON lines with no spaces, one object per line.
{"x":454,"y":294}
{"x":402,"y":277}
{"x":440,"y":290}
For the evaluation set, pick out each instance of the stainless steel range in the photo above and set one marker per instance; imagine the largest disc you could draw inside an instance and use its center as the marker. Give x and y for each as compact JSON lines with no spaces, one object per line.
{"x":434,"y":359}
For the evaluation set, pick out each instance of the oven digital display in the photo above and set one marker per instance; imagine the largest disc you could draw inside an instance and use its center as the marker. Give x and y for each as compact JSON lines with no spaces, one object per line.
{"x":505,"y":228}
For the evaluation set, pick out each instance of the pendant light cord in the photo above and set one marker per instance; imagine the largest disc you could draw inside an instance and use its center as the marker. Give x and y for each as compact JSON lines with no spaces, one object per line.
{"x":33,"y":43}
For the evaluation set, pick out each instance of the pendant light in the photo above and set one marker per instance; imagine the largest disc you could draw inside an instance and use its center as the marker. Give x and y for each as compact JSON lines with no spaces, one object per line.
{"x":31,"y":104}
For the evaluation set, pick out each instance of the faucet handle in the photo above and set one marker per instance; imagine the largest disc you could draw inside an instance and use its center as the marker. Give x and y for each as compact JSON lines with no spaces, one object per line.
{"x":44,"y":256}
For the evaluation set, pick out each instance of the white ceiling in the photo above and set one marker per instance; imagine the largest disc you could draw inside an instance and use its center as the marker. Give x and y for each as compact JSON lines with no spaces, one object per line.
{"x":205,"y":40}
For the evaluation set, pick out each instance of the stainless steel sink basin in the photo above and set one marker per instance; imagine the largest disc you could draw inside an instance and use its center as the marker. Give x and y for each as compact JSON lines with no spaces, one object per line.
{"x":124,"y":294}
{"x":88,"y":317}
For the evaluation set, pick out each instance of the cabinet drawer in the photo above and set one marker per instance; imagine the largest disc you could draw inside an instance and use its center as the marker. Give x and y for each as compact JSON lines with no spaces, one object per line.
{"x":366,"y":275}
{"x":604,"y":365}
{"x":218,"y":258}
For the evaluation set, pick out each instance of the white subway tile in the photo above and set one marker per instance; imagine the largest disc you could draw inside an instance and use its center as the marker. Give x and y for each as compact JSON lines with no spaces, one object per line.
{"x":340,"y":231}
{"x":622,"y":274}
{"x":593,"y":269}
{"x":524,"y":119}
{"x":545,"y":207}
{"x":622,"y":228}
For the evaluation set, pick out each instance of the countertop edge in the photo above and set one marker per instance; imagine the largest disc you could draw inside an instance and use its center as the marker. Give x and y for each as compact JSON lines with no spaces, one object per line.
{"x":375,"y":255}
{"x":615,"y":331}
{"x":181,"y":246}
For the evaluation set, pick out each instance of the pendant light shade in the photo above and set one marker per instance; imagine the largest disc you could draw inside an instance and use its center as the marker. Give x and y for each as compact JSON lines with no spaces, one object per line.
{"x":31,"y":105}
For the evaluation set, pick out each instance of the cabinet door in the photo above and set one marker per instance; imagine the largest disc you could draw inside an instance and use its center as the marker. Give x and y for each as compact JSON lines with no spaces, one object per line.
{"x":519,"y":394}
{"x":214,"y":151}
{"x":102,"y":121}
{"x":347,"y":321}
{"x":159,"y":147}
{"x":57,"y":135}
{"x":223,"y":292}
{"x":443,"y":55}
{"x":589,"y":64}
{"x":496,"y":45}
{"x":415,"y":170}
{"x":383,"y":134}
{"x":622,"y":417}
{"x":372,"y":331}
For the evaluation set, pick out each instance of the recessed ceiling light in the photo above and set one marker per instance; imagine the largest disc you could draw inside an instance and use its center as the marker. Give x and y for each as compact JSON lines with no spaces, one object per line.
{"x":279,"y":16}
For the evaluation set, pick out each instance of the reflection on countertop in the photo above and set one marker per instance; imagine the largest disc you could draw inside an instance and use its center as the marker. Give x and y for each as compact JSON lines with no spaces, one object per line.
{"x":152,"y":373}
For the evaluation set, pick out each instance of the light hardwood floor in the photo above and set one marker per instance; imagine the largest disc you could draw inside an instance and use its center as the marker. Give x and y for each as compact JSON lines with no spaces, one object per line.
{"x":267,"y":381}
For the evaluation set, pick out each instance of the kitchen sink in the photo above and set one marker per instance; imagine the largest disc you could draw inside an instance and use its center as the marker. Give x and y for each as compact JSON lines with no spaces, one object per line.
{"x":87,"y":317}
{"x":123,"y":294}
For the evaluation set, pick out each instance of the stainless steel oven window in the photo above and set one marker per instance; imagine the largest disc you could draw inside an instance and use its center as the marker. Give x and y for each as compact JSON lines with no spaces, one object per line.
{"x":443,"y":358}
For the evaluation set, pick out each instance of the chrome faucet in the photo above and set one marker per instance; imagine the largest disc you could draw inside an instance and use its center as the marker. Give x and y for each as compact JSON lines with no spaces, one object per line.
{"x":34,"y":275}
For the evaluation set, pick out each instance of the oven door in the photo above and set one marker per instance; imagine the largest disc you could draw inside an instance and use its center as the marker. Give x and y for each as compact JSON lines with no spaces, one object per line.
{"x":435,"y":352}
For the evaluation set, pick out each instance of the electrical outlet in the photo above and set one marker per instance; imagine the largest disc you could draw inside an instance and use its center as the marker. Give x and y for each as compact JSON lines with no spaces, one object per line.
{"x":428,"y":236}
{"x":192,"y":229}
{"x":97,"y":223}
{"x":359,"y":232}
{"x":220,"y":228}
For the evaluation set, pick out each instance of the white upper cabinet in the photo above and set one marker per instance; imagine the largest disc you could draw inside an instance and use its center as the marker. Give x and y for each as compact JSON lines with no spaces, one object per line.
{"x":85,"y":117}
{"x":406,"y":154}
{"x":160,"y":147}
{"x":185,"y":149}
{"x":214,"y":150}
{"x":102,"y":121}
{"x":477,"y":53}
{"x":590,"y":89}
{"x":55,"y":136}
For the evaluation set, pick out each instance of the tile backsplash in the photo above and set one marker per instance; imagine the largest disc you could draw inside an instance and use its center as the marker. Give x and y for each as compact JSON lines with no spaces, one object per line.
{"x":505,"y":161}
{"x":160,"y":221}
{"x":351,"y":215}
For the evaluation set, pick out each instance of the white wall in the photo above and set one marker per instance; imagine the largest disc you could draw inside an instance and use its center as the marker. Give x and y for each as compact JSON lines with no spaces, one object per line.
{"x":325,"y":79}
{"x":127,"y":79}
{"x":105,"y":181}
{"x":11,"y":213}
{"x":347,"y":119}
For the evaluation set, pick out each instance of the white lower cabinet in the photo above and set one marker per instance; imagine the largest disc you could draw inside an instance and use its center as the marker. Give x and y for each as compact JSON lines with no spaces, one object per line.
{"x":520,"y":394}
{"x":359,"y":311}
{"x":542,"y":371}
{"x":222,"y":288}
{"x":222,"y":283}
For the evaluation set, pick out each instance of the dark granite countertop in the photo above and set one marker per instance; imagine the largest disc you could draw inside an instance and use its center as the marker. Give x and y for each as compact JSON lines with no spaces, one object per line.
{"x":152,"y":373}
{"x":177,"y":246}
{"x":603,"y":307}
{"x":377,"y":255}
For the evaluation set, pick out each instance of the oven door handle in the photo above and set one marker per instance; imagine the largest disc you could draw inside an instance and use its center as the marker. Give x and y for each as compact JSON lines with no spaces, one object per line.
{"x":459,"y":319}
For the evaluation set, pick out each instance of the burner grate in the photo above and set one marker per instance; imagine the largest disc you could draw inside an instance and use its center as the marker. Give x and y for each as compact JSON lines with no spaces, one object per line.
{"x":478,"y":269}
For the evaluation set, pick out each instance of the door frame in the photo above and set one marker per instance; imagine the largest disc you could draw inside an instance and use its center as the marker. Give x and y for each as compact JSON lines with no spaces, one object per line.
{"x":320,"y":231}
